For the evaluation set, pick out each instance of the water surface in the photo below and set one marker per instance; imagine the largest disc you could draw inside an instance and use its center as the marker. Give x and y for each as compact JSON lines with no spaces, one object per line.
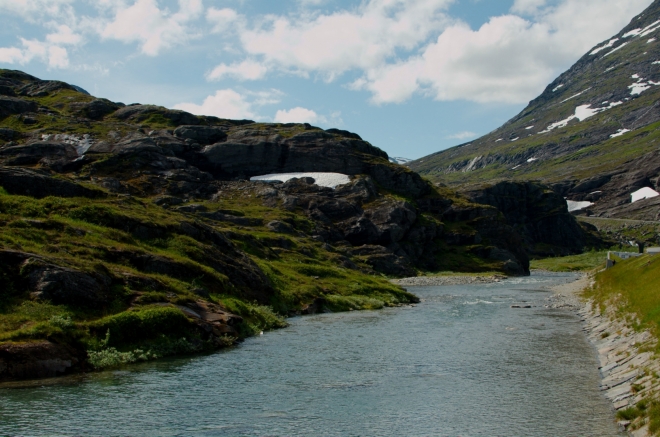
{"x":460,"y":363}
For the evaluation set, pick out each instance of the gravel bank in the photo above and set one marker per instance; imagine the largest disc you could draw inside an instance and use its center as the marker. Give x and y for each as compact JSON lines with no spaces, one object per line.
{"x":430,"y":281}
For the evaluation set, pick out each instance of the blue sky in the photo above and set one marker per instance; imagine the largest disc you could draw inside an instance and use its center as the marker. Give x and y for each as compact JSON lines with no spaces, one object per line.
{"x":410,"y":76}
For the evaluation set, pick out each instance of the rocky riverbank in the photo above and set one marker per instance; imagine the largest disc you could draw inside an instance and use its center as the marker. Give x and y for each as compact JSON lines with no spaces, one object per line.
{"x":627,"y":364}
{"x":431,"y":281}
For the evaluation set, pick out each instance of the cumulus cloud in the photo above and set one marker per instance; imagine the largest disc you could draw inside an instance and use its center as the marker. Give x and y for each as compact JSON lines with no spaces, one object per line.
{"x":153,"y":28}
{"x":298,"y":115}
{"x":222,"y":19}
{"x":507,"y":60}
{"x":53,"y":55}
{"x":36,"y":10}
{"x":228,"y":103}
{"x":246,"y":70}
{"x":334,"y":43}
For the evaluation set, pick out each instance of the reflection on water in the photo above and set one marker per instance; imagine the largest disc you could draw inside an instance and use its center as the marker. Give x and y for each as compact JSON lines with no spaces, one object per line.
{"x":461,"y":363}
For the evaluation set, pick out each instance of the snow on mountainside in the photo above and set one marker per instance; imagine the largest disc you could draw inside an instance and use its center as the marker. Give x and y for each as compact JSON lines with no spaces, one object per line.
{"x":399,"y":160}
{"x":593,"y":134}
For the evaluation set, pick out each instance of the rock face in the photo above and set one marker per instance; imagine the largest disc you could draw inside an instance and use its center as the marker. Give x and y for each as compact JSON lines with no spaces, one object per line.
{"x":16,"y":180}
{"x":42,"y":359}
{"x":538,"y":214}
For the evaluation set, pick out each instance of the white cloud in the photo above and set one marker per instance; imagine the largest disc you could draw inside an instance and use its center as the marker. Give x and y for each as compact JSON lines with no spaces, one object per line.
{"x":332,"y":44}
{"x":298,"y":115}
{"x":224,"y":104}
{"x":222,"y":19}
{"x":64,"y":35}
{"x":246,"y":70}
{"x":228,"y":103}
{"x":36,"y":10}
{"x":462,"y":135}
{"x":509,"y":59}
{"x":155,"y":29}
{"x":53,"y":55}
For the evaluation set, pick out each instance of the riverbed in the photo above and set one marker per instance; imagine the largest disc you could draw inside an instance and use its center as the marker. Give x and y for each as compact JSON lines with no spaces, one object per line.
{"x":462,"y":362}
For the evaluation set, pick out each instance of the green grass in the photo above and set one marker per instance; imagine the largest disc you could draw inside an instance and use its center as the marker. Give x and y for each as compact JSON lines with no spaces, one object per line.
{"x":585,"y":262}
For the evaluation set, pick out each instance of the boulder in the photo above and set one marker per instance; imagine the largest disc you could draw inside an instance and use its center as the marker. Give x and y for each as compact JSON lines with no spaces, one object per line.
{"x":24,"y":182}
{"x":65,"y":286}
{"x":48,"y":153}
{"x":43,"y":359}
{"x":96,"y":109}
{"x":204,"y":135}
{"x":14,"y":105}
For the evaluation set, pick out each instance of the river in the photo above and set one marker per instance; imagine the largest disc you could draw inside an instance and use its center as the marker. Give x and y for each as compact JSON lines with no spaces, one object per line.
{"x":460,"y":363}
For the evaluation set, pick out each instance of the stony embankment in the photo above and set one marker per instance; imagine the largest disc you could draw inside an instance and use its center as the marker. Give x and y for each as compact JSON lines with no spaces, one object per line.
{"x":627,"y":364}
{"x":430,"y":281}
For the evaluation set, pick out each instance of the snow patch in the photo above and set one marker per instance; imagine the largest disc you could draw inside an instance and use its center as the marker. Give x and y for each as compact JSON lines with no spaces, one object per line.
{"x":644,"y":193}
{"x":619,"y":133}
{"x":635,"y":76}
{"x":515,"y":139}
{"x":532,"y":159}
{"x":529,"y":127}
{"x":498,"y":140}
{"x":517,"y":166}
{"x":620,"y":47}
{"x":330,"y":180}
{"x":634,"y":32}
{"x":655,"y":63}
{"x":650,"y":41}
{"x":576,"y":95}
{"x":557,"y":87}
{"x":577,"y":206}
{"x":606,"y":46}
{"x":582,"y":113}
{"x":399,"y":160}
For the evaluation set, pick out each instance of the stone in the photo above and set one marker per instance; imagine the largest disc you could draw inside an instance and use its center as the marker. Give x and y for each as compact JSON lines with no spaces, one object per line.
{"x":97,"y":109}
{"x":21,"y":181}
{"x":139,"y":113}
{"x":203,"y":135}
{"x":65,"y":286}
{"x":42,"y":359}
{"x":49,"y":153}
{"x":14,"y":105}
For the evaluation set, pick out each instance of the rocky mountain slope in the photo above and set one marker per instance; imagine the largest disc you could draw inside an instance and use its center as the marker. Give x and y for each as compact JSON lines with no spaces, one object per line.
{"x":130,"y":232}
{"x":592,"y":134}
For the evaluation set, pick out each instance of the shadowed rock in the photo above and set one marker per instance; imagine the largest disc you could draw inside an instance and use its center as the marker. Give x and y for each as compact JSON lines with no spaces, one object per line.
{"x":26,"y":182}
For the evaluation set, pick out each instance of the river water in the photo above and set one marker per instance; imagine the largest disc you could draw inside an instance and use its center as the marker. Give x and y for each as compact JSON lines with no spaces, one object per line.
{"x":460,"y":363}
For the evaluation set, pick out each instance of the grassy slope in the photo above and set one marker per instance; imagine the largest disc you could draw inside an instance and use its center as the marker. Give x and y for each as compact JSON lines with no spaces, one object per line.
{"x":575,"y":263}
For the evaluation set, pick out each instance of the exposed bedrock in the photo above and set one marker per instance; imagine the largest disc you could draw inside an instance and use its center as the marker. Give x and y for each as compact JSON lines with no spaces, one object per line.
{"x":538,"y":214}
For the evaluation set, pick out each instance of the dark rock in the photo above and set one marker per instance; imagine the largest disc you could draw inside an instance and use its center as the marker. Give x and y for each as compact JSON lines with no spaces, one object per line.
{"x":96,"y":109}
{"x":48,"y":153}
{"x":26,"y":182}
{"x":192,"y":208}
{"x":7,"y":91}
{"x":65,"y":286}
{"x":539,"y":214}
{"x":139,"y":113}
{"x":7,"y":134}
{"x":344,"y":133}
{"x":41,"y":88}
{"x":280,"y":227}
{"x":203,"y":135}
{"x":13,"y":105}
{"x":43,"y":359}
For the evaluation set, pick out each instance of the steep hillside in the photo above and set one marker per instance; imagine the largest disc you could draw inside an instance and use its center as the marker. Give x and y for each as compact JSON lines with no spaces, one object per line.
{"x":132,"y":232}
{"x":593,"y":133}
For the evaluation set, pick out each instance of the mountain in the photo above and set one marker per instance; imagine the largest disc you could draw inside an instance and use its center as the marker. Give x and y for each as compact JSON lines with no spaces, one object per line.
{"x":399,"y":160}
{"x":592,"y":134}
{"x":132,"y":232}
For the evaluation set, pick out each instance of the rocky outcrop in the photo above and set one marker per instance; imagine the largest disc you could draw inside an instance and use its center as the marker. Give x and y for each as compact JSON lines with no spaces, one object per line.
{"x":21,"y":181}
{"x":538,"y":214}
{"x":13,"y":105}
{"x":42,"y":359}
